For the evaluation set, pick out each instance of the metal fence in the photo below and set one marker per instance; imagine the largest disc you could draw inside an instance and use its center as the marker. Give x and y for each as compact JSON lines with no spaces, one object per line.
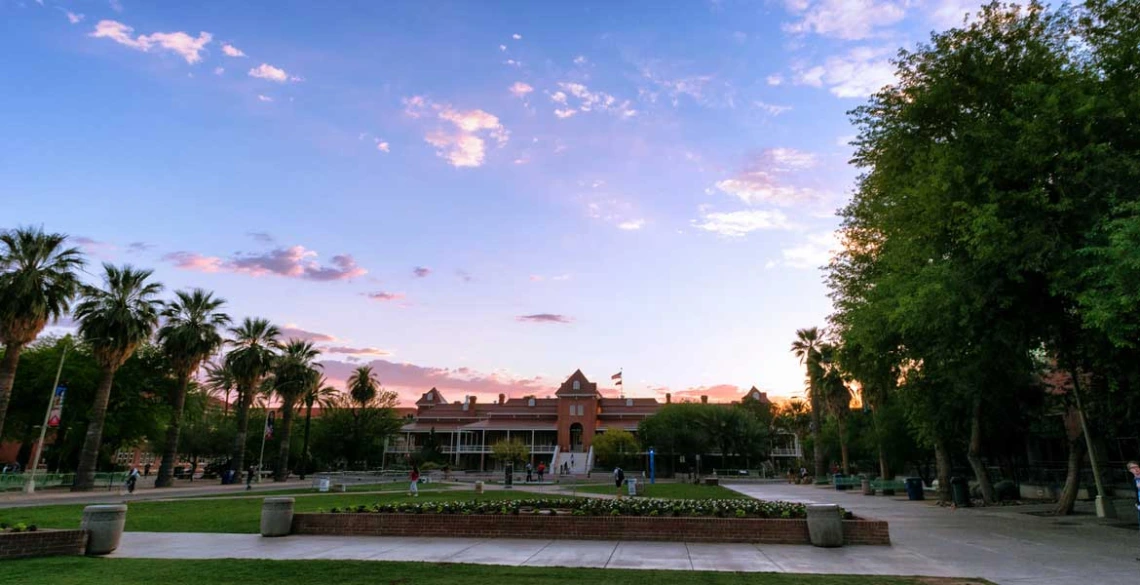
{"x":16,"y":481}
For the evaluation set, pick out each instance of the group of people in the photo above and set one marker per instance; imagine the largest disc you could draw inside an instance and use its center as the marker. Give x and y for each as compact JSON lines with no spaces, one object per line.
{"x":531,"y":470}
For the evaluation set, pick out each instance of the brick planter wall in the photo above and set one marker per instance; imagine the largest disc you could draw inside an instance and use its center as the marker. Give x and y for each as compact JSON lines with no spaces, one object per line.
{"x":42,"y":543}
{"x":567,"y":527}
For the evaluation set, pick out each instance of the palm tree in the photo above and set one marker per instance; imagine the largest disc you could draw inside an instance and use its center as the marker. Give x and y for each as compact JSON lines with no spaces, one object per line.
{"x":835,"y":396}
{"x":806,"y":347}
{"x":37,"y":283}
{"x":255,"y":342}
{"x":189,"y":336}
{"x":322,"y":395}
{"x":220,"y":382}
{"x":363,"y":385}
{"x":295,"y":372}
{"x":113,"y":320}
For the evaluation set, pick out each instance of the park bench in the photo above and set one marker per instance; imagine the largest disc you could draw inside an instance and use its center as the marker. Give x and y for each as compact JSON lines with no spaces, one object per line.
{"x":883,"y":486}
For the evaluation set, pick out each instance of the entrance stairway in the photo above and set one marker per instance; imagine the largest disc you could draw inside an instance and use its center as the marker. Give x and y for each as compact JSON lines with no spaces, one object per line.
{"x":578,"y":461}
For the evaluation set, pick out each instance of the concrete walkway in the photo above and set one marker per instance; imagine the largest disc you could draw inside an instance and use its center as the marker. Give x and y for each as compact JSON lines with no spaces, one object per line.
{"x":181,"y":489}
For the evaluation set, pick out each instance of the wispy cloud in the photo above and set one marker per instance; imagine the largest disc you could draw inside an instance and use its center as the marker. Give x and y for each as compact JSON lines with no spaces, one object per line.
{"x":771,"y":109}
{"x":858,"y":73}
{"x":384,"y":296}
{"x":845,"y":19}
{"x":544,"y":318}
{"x":137,"y":247}
{"x":261,"y":237}
{"x":232,"y":51}
{"x":72,"y":17}
{"x":291,"y":262}
{"x":579,"y":98}
{"x":115,"y":5}
{"x":764,"y":181}
{"x":383,"y":146}
{"x":292,"y":331}
{"x":421,"y":271}
{"x":737,"y":224}
{"x":815,"y":251}
{"x":631,"y":225}
{"x":516,"y":37}
{"x":463,"y":144}
{"x":188,"y":47}
{"x":264,"y":98}
{"x":520,"y":89}
{"x":357,"y":351}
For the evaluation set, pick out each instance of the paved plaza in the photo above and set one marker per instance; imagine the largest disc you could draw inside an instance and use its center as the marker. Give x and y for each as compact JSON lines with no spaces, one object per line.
{"x":1003,"y":545}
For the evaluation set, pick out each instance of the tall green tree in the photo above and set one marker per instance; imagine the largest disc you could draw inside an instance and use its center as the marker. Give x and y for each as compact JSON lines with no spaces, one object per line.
{"x":191,"y":333}
{"x":254,"y":352}
{"x":363,"y":385}
{"x":836,"y":399}
{"x":113,"y":320}
{"x":806,"y":348}
{"x":295,"y":374}
{"x":37,"y":283}
{"x":320,"y":395}
{"x":220,"y":383}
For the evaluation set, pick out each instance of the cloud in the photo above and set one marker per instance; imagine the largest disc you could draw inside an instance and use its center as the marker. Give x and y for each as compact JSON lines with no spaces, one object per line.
{"x":384,"y":296}
{"x":580,"y":98}
{"x":771,"y":109}
{"x":270,"y":73}
{"x":502,"y":47}
{"x":544,"y":318}
{"x":850,"y":20}
{"x":580,"y":60}
{"x":193,"y":261}
{"x":356,"y":351}
{"x":219,"y":70}
{"x":232,"y":51}
{"x":631,"y":225}
{"x":261,"y":237}
{"x":715,"y":393}
{"x":857,"y":74}
{"x":291,"y":262}
{"x":264,"y":98}
{"x":816,"y":251}
{"x":116,"y":5}
{"x":737,"y":224}
{"x":704,"y":89}
{"x":177,"y":42}
{"x":421,"y":271}
{"x":292,"y":331}
{"x":383,"y":146}
{"x":464,"y":276}
{"x":410,"y":381}
{"x":72,"y":17}
{"x":516,"y":37}
{"x":520,"y":89}
{"x":951,"y":13}
{"x":136,"y":247}
{"x":94,"y":247}
{"x":463,"y":146}
{"x":762,"y":180}
{"x":775,"y":79}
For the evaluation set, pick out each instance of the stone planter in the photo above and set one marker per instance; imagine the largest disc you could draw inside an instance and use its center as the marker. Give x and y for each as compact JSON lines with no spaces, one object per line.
{"x":276,"y":516}
{"x":42,"y":543}
{"x":825,"y":526}
{"x":104,"y":526}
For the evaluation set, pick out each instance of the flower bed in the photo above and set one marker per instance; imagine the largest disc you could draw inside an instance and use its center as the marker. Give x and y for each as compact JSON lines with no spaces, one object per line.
{"x":22,"y":541}
{"x":589,"y":519}
{"x":651,"y":507}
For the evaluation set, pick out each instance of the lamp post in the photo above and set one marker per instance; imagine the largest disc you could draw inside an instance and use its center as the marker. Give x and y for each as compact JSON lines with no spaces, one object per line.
{"x":30,"y":485}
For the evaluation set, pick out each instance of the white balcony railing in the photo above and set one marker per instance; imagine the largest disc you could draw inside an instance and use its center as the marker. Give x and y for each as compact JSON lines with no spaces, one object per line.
{"x":787,"y":452}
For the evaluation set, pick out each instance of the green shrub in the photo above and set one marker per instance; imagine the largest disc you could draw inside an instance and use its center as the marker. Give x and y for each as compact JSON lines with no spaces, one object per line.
{"x":597,"y":507}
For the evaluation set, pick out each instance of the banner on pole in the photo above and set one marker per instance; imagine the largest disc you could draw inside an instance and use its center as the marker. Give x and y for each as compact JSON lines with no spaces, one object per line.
{"x":56,"y":406}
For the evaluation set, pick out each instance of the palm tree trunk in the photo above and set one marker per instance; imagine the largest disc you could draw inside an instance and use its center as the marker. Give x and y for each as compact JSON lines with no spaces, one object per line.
{"x":817,"y":440}
{"x":170,"y":450}
{"x":942,"y":461}
{"x":226,"y":405}
{"x":89,"y":455}
{"x":245,"y":400}
{"x":7,"y":378}
{"x":282,"y":471}
{"x":842,"y":424}
{"x":305,"y":443}
{"x":973,"y":455}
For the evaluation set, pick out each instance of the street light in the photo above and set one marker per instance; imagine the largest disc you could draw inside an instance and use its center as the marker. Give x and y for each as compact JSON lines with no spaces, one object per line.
{"x":30,"y":485}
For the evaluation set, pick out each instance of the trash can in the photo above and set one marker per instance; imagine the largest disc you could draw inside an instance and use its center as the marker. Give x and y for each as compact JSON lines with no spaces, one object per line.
{"x":838,"y":479}
{"x":914,"y":488}
{"x":960,"y":490}
{"x":867,"y":489}
{"x":323,"y":484}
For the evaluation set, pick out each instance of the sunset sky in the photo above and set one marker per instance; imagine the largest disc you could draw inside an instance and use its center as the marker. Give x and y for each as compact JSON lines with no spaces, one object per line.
{"x":477,"y":198}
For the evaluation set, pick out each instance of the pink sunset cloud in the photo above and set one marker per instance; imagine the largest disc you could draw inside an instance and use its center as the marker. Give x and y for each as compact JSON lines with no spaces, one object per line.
{"x":193,"y":261}
{"x":291,"y":262}
{"x":384,"y":296}
{"x":291,"y":331}
{"x":544,"y":318}
{"x":410,"y":380}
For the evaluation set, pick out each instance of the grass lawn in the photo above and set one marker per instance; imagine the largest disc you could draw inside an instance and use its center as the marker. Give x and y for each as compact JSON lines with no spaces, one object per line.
{"x":365,"y":487}
{"x":241,"y":515}
{"x":673,"y":491}
{"x":87,"y":571}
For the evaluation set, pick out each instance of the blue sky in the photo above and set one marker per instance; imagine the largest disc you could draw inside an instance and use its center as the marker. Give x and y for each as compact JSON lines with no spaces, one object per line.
{"x":478,"y":196}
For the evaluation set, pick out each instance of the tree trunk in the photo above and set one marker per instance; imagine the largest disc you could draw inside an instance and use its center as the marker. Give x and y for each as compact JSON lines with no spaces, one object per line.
{"x":942,"y":461}
{"x":7,"y":377}
{"x":973,"y":455}
{"x":89,"y":455}
{"x":170,"y":450}
{"x":842,"y":424}
{"x":305,"y":443}
{"x":282,"y":471}
{"x":1072,"y":477}
{"x":884,"y":467}
{"x":817,"y":442}
{"x":245,"y":400}
{"x":193,"y":468}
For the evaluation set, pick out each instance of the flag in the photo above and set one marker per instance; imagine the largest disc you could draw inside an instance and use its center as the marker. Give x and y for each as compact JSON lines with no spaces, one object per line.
{"x":56,"y":406}
{"x":617,"y":377}
{"x":269,"y":425}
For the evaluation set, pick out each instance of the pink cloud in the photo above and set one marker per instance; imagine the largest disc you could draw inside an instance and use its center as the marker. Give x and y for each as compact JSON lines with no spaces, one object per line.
{"x":384,"y":296}
{"x":290,"y":331}
{"x":356,"y":351}
{"x":410,"y":380}
{"x":421,"y":271}
{"x":544,"y":318}
{"x":291,"y":262}
{"x":188,"y":47}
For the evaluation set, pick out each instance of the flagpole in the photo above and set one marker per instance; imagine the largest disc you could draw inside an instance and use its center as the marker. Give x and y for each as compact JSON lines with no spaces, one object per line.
{"x":30,"y":486}
{"x":264,"y":430}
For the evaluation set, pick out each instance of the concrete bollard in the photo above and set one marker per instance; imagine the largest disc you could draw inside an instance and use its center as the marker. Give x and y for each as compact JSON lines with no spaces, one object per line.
{"x":867,"y":489}
{"x":825,"y":526}
{"x":479,"y":487}
{"x":104,"y":526}
{"x":276,"y":516}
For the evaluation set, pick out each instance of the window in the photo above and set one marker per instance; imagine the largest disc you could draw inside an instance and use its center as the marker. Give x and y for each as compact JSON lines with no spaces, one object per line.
{"x":577,"y":385}
{"x":629,"y":402}
{"x":530,"y":402}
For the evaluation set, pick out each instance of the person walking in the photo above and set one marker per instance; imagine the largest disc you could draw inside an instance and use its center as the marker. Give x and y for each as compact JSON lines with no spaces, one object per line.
{"x":414,"y":488}
{"x":146,"y":470}
{"x":529,"y":471}
{"x":1134,"y":469}
{"x":619,"y":478}
{"x":541,"y":471}
{"x":249,"y":478}
{"x":132,"y":480}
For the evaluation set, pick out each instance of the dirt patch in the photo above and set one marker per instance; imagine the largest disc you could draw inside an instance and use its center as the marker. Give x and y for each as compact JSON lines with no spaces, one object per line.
{"x":950,"y":581}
